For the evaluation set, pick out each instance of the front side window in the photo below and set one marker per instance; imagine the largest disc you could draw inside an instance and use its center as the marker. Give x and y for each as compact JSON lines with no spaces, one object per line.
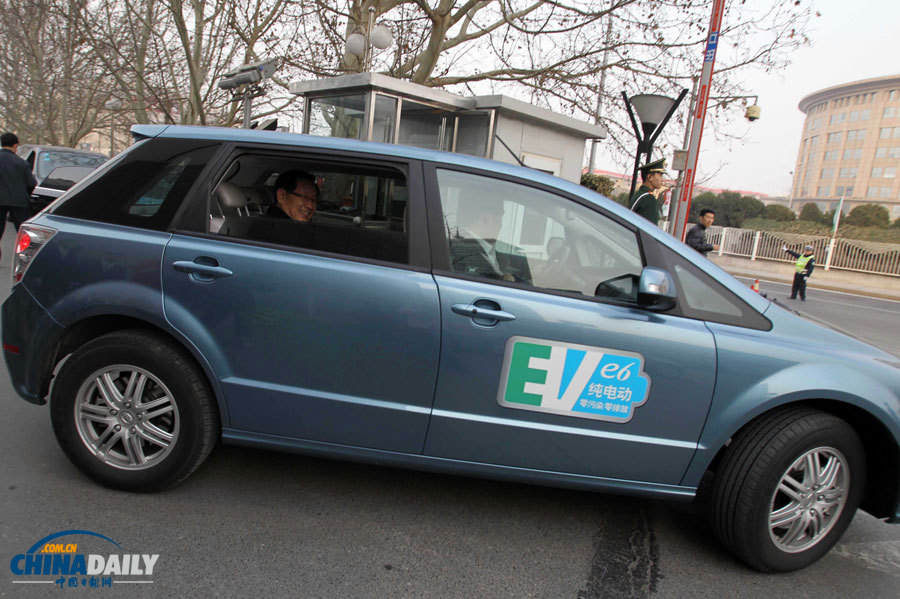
{"x":504,"y":231}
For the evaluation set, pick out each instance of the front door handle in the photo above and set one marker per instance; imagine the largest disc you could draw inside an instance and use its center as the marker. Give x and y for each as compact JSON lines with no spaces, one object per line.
{"x":479,"y":312}
{"x":203,"y":269}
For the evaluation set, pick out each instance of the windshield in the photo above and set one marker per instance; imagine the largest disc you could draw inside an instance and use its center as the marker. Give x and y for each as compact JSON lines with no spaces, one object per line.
{"x":51,"y":159}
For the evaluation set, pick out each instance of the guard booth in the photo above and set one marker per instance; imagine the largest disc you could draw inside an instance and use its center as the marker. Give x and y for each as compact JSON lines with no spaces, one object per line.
{"x":375,"y":107}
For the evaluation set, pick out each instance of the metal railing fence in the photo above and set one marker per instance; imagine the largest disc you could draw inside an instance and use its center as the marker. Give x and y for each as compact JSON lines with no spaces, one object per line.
{"x":847,"y":254}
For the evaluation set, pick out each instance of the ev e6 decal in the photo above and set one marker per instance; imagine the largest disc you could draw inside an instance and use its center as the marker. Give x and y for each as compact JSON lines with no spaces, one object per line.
{"x":572,"y":380}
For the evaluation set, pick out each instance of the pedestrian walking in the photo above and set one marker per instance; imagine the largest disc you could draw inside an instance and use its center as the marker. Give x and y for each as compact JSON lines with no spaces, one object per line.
{"x":696,"y":237}
{"x":644,"y":201}
{"x":16,"y":183}
{"x":802,"y":270}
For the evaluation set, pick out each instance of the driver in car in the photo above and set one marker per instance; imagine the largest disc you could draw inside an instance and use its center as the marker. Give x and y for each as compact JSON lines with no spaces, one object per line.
{"x":475,"y":249}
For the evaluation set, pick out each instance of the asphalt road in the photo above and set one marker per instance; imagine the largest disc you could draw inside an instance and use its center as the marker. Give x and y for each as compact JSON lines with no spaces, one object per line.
{"x":873,"y":320}
{"x":257,"y":523}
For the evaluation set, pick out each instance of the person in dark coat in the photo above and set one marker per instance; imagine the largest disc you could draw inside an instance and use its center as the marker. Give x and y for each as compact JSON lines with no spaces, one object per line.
{"x":16,"y":183}
{"x":696,"y":237}
{"x":802,"y":270}
{"x":644,"y":201}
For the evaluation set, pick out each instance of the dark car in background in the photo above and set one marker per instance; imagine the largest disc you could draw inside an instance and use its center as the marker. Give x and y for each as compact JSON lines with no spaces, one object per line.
{"x":56,"y":170}
{"x":55,"y":184}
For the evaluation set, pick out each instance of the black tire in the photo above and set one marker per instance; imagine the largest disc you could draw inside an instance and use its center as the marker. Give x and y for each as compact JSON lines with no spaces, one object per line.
{"x":145,"y":440}
{"x":758,"y":460}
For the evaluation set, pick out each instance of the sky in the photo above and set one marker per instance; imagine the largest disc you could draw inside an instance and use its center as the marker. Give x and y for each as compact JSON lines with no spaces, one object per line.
{"x":849,"y":41}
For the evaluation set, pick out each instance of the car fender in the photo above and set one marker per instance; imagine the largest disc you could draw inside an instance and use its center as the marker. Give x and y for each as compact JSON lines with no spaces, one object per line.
{"x":833,"y":381}
{"x":133,"y":300}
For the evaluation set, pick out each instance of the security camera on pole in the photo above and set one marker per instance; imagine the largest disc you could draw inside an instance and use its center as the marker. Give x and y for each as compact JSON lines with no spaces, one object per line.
{"x":246,"y":83}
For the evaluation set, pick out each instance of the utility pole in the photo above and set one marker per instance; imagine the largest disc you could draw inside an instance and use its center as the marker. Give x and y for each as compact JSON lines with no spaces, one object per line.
{"x":698,"y":117}
{"x":593,"y":158}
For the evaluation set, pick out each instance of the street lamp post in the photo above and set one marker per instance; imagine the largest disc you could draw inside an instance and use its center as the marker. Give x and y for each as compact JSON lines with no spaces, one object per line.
{"x":113,"y":104}
{"x":654,"y":111}
{"x":360,"y":42}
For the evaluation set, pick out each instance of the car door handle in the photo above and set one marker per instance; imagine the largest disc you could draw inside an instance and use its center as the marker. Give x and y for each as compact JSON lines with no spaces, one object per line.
{"x":477,"y":312}
{"x":208,"y":267}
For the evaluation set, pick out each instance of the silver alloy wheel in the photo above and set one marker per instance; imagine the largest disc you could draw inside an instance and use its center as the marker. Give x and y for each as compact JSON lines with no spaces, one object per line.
{"x":809,"y":499}
{"x":126,"y":417}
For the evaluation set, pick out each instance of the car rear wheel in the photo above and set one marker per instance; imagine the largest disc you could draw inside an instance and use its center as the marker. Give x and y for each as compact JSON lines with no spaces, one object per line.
{"x":133,"y":412}
{"x":787,"y":489}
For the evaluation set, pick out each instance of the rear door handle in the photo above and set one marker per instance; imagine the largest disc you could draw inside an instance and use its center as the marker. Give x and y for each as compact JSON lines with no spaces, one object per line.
{"x":203,"y":269}
{"x":485,"y":313}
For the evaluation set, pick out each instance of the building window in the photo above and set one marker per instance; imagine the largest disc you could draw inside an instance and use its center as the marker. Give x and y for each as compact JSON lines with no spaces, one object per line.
{"x":881,"y":153}
{"x":822,"y":191}
{"x":896,"y":132}
{"x":835,"y":137}
{"x":885,"y":133}
{"x":893,"y":95}
{"x":847,"y":172}
{"x":864,"y":115}
{"x":849,"y":191}
{"x":890,"y":172}
{"x":854,"y":153}
{"x":885,"y":192}
{"x":827,"y":173}
{"x":876,"y":172}
{"x":872,"y":192}
{"x":832,"y":154}
{"x":837,"y":118}
{"x":889,"y":112}
{"x":839,"y":190}
{"x":856,"y":134}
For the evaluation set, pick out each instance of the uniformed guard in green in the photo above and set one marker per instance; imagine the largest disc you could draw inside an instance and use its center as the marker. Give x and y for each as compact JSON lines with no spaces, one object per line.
{"x":802,"y":269}
{"x":643,"y":201}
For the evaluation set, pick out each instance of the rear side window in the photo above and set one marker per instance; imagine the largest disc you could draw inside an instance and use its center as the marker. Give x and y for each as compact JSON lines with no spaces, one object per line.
{"x":146,"y":187}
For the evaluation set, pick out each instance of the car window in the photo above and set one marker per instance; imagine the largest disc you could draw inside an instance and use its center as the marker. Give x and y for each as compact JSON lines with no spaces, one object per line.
{"x":700,"y":296}
{"x":360,"y":210}
{"x":146,"y":186}
{"x":506,"y":231}
{"x":50,"y":159}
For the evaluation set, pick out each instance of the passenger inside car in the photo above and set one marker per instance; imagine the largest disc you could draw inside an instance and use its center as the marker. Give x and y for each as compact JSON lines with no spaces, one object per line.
{"x":320,"y":207}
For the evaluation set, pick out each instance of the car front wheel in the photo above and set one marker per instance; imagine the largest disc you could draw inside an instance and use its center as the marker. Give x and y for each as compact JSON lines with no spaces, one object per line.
{"x":787,"y":489}
{"x":133,"y":412}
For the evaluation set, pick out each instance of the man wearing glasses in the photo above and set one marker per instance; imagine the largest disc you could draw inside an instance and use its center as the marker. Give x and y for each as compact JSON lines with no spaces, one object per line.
{"x":296,"y":196}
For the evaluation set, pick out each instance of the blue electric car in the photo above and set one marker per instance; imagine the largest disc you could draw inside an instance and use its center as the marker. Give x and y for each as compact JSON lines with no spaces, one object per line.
{"x":440,"y":312}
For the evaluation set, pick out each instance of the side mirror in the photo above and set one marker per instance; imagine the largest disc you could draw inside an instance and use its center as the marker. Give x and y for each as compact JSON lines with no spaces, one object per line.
{"x":656,"y":290}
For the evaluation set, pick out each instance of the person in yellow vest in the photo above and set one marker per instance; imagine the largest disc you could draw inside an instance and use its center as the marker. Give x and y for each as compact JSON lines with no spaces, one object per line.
{"x":802,"y":269}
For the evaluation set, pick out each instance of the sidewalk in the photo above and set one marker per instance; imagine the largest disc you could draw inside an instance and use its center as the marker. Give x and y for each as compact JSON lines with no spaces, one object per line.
{"x":879,"y":286}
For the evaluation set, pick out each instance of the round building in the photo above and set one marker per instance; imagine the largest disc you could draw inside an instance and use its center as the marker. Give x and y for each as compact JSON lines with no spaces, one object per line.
{"x":850,"y":146}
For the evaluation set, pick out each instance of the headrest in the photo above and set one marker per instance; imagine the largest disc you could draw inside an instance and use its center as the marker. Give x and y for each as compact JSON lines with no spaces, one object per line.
{"x":230,"y":195}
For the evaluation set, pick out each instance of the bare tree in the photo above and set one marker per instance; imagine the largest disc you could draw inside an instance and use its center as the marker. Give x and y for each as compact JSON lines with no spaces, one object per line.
{"x":163,"y":58}
{"x":49,"y":82}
